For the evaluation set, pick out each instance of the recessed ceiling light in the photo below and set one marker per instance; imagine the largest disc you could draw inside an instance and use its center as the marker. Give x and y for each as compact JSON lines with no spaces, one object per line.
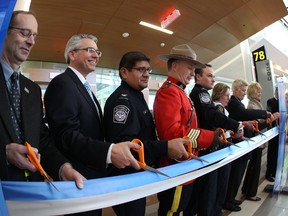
{"x":156,"y":27}
{"x":125,"y":34}
{"x":162,"y":44}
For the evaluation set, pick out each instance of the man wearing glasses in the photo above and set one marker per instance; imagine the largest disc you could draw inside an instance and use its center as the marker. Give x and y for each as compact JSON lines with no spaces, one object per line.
{"x":75,"y":117}
{"x":127,"y":116}
{"x":22,"y":119}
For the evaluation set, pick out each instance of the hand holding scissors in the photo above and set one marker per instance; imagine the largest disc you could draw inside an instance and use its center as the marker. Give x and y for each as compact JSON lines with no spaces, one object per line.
{"x":225,"y":141}
{"x":256,"y":128}
{"x":141,"y":161}
{"x":190,"y":152}
{"x":34,"y":160}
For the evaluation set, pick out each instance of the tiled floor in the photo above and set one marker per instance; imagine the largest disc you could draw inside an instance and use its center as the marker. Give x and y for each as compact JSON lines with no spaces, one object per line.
{"x":268,"y":206}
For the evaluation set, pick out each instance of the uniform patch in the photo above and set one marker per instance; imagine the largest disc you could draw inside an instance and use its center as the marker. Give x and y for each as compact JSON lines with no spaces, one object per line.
{"x":120,"y":114}
{"x":220,"y":108}
{"x":204,"y":97}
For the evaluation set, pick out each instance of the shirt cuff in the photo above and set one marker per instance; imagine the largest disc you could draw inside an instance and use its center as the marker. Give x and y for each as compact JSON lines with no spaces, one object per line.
{"x":108,"y":158}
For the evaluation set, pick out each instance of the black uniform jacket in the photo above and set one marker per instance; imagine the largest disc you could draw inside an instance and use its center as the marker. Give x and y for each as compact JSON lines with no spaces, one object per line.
{"x":127,"y":116}
{"x":238,"y":112}
{"x":34,"y":131}
{"x":208,"y":116}
{"x":76,"y":125}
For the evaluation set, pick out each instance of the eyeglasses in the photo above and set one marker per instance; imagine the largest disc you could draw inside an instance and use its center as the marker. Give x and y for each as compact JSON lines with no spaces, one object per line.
{"x":91,"y":50}
{"x":143,"y":69}
{"x":25,"y":33}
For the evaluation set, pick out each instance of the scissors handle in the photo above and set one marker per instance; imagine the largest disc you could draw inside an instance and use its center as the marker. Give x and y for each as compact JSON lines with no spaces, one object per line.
{"x":255,"y":125}
{"x":140,"y":152}
{"x":34,"y":160}
{"x":189,"y":147}
{"x":223,"y":135}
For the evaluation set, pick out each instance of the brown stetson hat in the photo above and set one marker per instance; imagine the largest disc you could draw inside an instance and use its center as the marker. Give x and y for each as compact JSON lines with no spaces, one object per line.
{"x":183,"y":52}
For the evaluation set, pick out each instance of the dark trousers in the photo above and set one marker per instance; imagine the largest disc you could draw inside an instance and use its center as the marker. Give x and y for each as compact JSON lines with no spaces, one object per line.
{"x":222,"y":187}
{"x":238,"y":167}
{"x":272,"y":157}
{"x":174,"y":200}
{"x":203,"y":199}
{"x":135,"y":207}
{"x":251,"y":180}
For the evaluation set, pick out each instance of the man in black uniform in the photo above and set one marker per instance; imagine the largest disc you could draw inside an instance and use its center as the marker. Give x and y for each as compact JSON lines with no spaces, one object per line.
{"x":238,"y":112}
{"x":127,"y":116}
{"x":209,"y":201}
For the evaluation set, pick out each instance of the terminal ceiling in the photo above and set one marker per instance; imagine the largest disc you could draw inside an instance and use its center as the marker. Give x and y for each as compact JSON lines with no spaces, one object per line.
{"x":210,"y":27}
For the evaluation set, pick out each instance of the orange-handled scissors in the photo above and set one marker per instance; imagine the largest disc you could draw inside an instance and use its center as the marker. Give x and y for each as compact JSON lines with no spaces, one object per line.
{"x":256,"y":128}
{"x":225,"y":141}
{"x":141,"y":161}
{"x":34,"y":160}
{"x":190,"y":152}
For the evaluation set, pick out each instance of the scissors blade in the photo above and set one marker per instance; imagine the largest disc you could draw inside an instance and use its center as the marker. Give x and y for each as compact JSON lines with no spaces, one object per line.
{"x":198,"y":158}
{"x":155,"y":171}
{"x":48,"y":178}
{"x":262,"y":134}
{"x":245,"y":138}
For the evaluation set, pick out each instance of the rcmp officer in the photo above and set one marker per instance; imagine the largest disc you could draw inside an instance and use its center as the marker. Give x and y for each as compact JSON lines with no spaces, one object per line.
{"x":209,"y":201}
{"x":127,"y":116}
{"x":175,"y":116}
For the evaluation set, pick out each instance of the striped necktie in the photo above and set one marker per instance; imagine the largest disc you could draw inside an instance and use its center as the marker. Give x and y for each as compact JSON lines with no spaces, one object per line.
{"x":88,"y":88}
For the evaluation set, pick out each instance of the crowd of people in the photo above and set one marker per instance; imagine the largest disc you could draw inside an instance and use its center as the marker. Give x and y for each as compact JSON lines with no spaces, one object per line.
{"x":84,"y":143}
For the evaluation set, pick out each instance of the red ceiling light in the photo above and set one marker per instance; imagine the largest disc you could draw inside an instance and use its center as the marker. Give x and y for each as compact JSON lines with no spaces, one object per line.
{"x":170,"y":18}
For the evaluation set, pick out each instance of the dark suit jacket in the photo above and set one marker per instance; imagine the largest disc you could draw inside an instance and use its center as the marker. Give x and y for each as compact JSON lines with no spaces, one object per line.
{"x":75,"y":124}
{"x":33,"y":130}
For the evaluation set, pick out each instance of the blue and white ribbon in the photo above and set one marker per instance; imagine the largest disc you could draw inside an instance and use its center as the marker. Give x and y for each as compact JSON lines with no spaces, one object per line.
{"x":40,"y":198}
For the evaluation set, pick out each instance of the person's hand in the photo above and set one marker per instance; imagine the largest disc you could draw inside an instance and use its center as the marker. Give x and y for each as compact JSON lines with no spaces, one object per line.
{"x":16,"y":155}
{"x":68,"y":173}
{"x":269,"y":117}
{"x":176,"y":148}
{"x":239,"y":133}
{"x":276,"y":116}
{"x":217,"y":141}
{"x":121,"y":156}
{"x":248,"y":125}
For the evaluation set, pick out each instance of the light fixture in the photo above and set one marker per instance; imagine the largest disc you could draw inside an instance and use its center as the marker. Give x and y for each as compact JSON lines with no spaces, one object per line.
{"x":125,"y":34}
{"x":170,"y":18}
{"x":155,"y":27}
{"x":22,"y":5}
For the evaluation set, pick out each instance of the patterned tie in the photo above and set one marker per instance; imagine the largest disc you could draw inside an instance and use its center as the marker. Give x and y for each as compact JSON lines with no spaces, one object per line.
{"x":15,"y":106}
{"x":88,"y":88}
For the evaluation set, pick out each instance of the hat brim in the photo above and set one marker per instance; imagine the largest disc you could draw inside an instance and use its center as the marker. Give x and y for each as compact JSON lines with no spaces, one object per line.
{"x":197,"y":64}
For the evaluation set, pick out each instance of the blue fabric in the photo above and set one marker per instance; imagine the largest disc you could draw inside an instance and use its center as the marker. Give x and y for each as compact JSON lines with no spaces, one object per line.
{"x":44,"y":191}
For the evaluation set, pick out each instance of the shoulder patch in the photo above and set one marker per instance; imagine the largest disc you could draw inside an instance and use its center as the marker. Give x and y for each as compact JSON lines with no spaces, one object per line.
{"x":220,"y":108}
{"x":120,"y":114}
{"x":204,"y":97}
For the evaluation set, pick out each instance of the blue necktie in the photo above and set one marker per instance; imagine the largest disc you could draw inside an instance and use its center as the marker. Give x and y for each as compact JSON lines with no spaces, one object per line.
{"x":15,"y":106}
{"x":88,"y":88}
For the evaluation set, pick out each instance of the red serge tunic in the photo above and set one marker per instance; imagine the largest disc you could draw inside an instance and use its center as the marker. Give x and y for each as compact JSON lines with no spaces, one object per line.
{"x":175,"y":116}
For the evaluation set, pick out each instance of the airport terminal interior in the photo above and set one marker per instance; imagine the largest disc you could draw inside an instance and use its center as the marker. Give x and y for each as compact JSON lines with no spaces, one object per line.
{"x":223,"y":33}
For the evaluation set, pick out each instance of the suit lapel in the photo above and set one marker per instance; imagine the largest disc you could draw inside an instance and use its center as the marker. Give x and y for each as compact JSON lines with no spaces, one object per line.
{"x":5,"y":111}
{"x":25,"y":106}
{"x":83,"y":91}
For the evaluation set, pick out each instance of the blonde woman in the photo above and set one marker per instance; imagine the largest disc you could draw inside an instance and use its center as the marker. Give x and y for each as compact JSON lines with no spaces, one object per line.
{"x":251,"y":180}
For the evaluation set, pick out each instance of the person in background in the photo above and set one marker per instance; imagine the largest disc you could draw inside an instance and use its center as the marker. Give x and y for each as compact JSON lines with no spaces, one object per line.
{"x":238,"y":112}
{"x":272,"y":152}
{"x":127,"y":116}
{"x":76,"y":121}
{"x":23,"y":120}
{"x":209,"y":118}
{"x":251,"y":180}
{"x":175,"y":116}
